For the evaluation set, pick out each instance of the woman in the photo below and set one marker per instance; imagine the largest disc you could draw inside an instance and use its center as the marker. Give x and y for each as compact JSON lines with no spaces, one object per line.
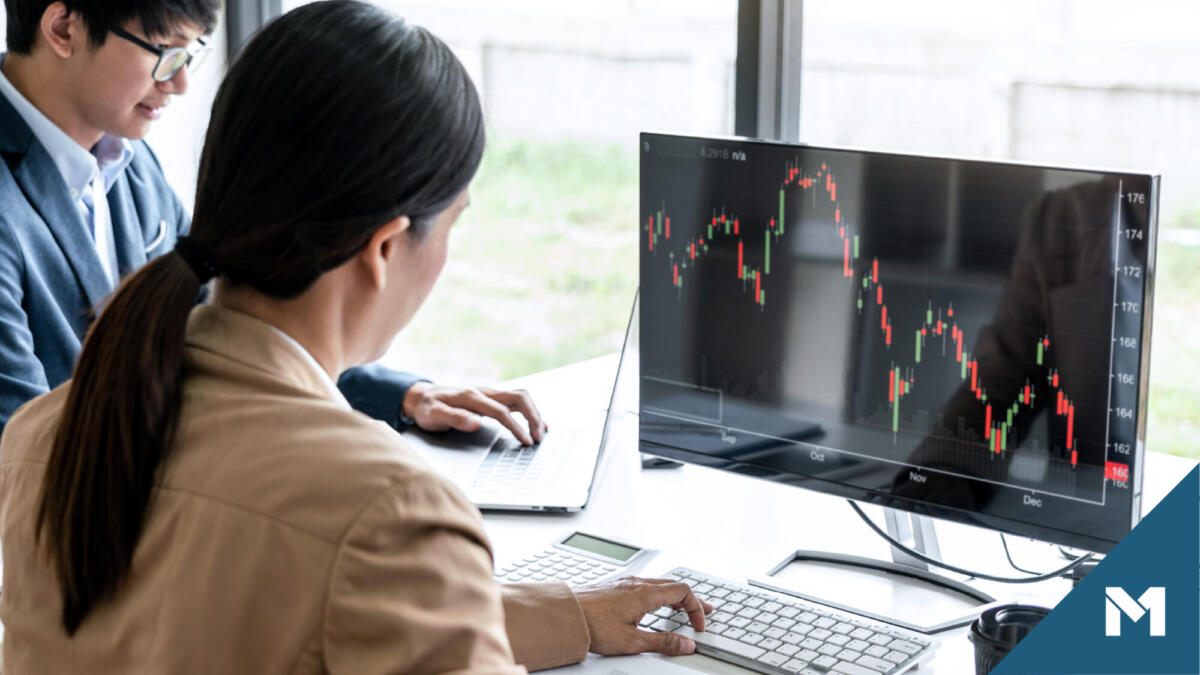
{"x":199,"y":497}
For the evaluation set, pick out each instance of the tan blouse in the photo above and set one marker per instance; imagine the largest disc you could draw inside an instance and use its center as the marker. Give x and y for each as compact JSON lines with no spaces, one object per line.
{"x":285,"y":534}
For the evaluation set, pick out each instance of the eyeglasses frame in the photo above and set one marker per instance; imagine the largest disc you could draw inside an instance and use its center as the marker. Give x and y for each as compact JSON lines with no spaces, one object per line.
{"x":193,"y":54}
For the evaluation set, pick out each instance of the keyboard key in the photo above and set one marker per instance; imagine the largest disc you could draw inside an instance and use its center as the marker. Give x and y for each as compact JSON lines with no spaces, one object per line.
{"x":734,"y":633}
{"x":795,"y":666}
{"x":783,"y":623}
{"x":809,"y":643}
{"x":722,"y":642}
{"x":789,"y":612}
{"x":665,"y":625}
{"x":737,"y":597}
{"x":839,"y":640}
{"x":807,"y":655}
{"x":824,"y":662}
{"x":773,"y":659}
{"x":757,"y":627}
{"x":878,"y":665}
{"x":842,"y":628}
{"x":858,"y":645}
{"x":739,"y":622}
{"x":819,"y":634}
{"x":788,"y":650}
{"x":896,"y":657}
{"x":906,"y":647}
{"x":879,"y":639}
{"x":771,"y":607}
{"x":751,"y":638}
{"x":851,"y":669}
{"x":827,"y":650}
{"x":876,"y":650}
{"x":860,"y":633}
{"x":849,"y":655}
{"x":754,"y":602}
{"x":767,"y":617}
{"x":770,"y":643}
{"x":824,"y":622}
{"x":776,"y":633}
{"x":807,"y":617}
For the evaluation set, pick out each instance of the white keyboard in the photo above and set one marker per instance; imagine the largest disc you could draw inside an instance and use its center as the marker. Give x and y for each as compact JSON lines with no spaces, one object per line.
{"x":773,"y":633}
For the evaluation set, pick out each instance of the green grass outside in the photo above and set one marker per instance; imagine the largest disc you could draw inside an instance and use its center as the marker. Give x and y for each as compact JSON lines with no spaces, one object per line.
{"x":543,"y":268}
{"x":1174,"y":419}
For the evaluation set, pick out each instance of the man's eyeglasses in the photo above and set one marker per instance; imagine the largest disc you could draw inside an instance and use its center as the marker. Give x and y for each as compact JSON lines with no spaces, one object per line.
{"x":171,"y":60}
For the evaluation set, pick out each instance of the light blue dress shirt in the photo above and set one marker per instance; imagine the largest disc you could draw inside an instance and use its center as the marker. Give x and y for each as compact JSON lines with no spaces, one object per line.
{"x":85,"y":173}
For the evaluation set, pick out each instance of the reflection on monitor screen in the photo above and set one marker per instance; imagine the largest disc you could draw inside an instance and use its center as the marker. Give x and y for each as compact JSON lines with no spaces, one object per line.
{"x":963,"y":339}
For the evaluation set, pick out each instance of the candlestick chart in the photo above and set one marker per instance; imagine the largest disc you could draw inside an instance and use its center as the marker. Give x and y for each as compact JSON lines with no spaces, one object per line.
{"x":891,"y":307}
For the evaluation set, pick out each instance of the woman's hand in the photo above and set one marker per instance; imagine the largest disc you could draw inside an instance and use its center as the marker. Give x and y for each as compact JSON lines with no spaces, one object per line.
{"x":438,"y":408}
{"x":614,"y":609}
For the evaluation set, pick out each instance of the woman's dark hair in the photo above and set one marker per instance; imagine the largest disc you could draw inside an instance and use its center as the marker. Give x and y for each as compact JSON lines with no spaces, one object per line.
{"x":157,"y":17}
{"x":336,"y":118}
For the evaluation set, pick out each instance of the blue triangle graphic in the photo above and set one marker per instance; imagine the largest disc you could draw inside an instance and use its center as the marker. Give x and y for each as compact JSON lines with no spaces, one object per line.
{"x":1163,"y":550}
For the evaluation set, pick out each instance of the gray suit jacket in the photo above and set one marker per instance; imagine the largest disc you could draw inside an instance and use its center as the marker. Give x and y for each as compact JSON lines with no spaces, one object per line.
{"x":51,"y":278}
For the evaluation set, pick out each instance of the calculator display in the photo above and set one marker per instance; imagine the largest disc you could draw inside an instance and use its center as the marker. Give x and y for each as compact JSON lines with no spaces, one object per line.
{"x":602,"y":547}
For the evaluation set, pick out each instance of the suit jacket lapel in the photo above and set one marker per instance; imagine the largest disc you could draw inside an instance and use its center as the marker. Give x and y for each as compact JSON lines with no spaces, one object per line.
{"x":128,"y":237}
{"x":46,"y":192}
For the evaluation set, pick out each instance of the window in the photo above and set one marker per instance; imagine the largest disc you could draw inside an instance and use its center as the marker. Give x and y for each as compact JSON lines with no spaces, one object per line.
{"x":1086,"y":83}
{"x":543,"y":266}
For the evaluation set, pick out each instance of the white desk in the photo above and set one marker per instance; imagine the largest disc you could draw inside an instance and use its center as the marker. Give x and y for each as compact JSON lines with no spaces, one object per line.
{"x":737,"y":527}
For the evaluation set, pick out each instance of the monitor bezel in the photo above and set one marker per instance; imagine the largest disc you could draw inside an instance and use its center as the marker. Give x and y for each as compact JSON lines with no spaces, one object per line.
{"x":1024,"y":528}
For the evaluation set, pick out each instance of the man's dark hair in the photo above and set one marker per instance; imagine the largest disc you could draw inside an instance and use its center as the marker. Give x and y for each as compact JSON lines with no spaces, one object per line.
{"x":157,"y":17}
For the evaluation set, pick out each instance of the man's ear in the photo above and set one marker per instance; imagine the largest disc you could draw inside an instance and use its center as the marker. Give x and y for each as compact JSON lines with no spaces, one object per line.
{"x":385,"y":244}
{"x":57,"y":28}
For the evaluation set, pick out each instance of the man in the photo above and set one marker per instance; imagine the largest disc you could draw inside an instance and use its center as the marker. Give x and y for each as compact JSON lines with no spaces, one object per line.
{"x":84,"y":203}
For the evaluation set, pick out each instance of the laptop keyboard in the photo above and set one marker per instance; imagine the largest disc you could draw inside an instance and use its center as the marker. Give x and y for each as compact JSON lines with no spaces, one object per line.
{"x":774,"y":633}
{"x":511,"y":467}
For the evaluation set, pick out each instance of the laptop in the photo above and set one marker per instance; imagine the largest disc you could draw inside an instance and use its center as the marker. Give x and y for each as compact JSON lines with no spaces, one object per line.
{"x":558,"y":473}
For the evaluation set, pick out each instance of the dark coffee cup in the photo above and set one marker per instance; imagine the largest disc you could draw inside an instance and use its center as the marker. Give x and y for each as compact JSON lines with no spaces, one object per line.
{"x":998,"y":630}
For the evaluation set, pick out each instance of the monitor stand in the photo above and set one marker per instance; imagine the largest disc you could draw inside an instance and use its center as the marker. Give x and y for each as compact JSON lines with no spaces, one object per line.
{"x":903,"y":592}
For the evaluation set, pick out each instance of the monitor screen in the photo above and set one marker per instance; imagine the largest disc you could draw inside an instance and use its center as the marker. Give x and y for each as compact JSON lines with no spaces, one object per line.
{"x":963,"y":339}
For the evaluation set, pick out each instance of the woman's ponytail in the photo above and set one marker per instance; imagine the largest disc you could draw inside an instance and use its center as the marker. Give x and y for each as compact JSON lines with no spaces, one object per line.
{"x":117,"y":427}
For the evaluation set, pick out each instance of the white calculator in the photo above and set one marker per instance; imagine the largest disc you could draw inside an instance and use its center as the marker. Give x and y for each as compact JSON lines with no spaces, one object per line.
{"x":578,"y":559}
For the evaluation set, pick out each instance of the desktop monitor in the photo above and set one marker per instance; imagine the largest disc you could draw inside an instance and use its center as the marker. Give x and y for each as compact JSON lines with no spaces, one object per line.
{"x":957,"y":338}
